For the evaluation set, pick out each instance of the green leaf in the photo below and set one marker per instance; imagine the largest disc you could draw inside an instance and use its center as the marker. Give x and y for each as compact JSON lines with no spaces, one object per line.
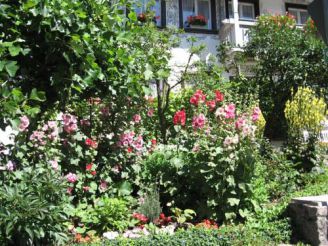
{"x":233,"y":201}
{"x":14,"y":50}
{"x":148,"y":73}
{"x":125,"y":189}
{"x":11,"y":68}
{"x":37,"y":95}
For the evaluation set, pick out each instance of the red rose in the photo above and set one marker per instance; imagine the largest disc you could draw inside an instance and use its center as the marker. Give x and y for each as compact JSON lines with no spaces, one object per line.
{"x":88,"y":142}
{"x":88,"y":167}
{"x":179,"y":118}
{"x":93,"y":173}
{"x":198,"y":96}
{"x":219,"y":97}
{"x":94,"y":144}
{"x":153,"y":141}
{"x":211,"y":104}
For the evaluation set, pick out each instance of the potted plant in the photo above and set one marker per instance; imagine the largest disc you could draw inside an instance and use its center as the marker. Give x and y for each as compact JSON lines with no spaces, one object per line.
{"x":197,"y":21}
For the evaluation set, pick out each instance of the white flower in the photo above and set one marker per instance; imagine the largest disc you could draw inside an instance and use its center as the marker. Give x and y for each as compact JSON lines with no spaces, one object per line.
{"x":111,"y":235}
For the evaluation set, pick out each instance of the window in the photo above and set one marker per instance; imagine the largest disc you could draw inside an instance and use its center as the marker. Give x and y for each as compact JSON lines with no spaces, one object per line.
{"x":197,"y":14}
{"x":144,"y":5}
{"x":299,"y":12}
{"x":247,"y":9}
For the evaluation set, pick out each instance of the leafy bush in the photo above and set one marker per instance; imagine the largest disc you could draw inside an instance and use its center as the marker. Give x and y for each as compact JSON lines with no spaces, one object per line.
{"x":231,"y":235}
{"x":105,"y":215}
{"x":287,"y":57}
{"x":211,"y":161}
{"x":32,"y":210}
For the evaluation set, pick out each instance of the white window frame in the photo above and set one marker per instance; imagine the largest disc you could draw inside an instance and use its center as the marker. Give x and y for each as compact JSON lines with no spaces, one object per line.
{"x":209,"y":20}
{"x":298,"y":17}
{"x":240,"y":10}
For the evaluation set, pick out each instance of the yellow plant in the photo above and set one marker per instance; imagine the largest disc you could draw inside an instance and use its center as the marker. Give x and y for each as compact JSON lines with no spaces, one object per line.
{"x":260,"y":123}
{"x":305,"y":111}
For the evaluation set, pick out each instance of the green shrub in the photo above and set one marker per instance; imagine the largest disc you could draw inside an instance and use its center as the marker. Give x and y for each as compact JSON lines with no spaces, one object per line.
{"x":32,"y":208}
{"x":106,"y":214}
{"x":151,"y":206}
{"x":231,"y":235}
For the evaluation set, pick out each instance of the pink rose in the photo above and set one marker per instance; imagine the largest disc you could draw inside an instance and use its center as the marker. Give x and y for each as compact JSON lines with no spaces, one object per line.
{"x":150,"y":112}
{"x":256,"y":114}
{"x":137,"y":118}
{"x":240,"y":123}
{"x":230,"y":111}
{"x":198,"y":121}
{"x":103,"y":185}
{"x":54,"y":164}
{"x":71,"y":177}
{"x":24,"y":123}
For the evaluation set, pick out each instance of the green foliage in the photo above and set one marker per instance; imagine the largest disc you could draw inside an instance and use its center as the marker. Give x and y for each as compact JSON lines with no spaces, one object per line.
{"x":32,"y":208}
{"x":183,"y":216}
{"x":231,"y":235}
{"x":287,"y":57}
{"x":151,"y":206}
{"x":106,"y":214}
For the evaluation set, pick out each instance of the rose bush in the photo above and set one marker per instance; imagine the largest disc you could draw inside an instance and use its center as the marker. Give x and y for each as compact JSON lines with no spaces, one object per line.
{"x":208,"y":166}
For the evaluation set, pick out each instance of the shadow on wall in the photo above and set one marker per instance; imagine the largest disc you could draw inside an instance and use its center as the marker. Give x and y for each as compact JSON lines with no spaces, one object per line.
{"x":180,"y":55}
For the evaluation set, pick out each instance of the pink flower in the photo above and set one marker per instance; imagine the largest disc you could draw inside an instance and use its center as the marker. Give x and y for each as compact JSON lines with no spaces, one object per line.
{"x":86,"y":188}
{"x":256,"y":114}
{"x":138,"y":144}
{"x":10,"y":166}
{"x":54,"y":164}
{"x":198,"y":121}
{"x":69,"y":123}
{"x":240,"y":123}
{"x":136,"y":118}
{"x":198,"y":97}
{"x":38,"y":138}
{"x":103,"y":185}
{"x":211,"y":105}
{"x":231,"y":140}
{"x":230,"y":111}
{"x":69,"y":190}
{"x":71,"y":177}
{"x":150,"y":112}
{"x":104,"y":111}
{"x":24,"y":123}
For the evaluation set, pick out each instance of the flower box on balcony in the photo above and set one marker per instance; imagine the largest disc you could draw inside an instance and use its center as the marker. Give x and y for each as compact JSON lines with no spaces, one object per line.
{"x":197,"y":22}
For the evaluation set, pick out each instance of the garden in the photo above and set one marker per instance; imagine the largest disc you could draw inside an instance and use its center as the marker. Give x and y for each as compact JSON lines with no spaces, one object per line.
{"x":97,"y":156}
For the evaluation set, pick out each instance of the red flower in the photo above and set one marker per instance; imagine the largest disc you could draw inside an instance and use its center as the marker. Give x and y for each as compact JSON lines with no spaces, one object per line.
{"x":88,"y":142}
{"x":179,"y":118}
{"x":93,"y":173}
{"x":141,"y":217}
{"x":94,"y":144}
{"x":89,"y":167}
{"x":86,"y":188}
{"x":199,"y":96}
{"x":129,"y":149}
{"x":219,"y":96}
{"x":153,"y":141}
{"x":211,"y":104}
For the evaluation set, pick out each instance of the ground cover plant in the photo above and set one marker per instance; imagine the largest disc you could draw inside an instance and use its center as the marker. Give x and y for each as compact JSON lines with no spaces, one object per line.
{"x":99,"y":156}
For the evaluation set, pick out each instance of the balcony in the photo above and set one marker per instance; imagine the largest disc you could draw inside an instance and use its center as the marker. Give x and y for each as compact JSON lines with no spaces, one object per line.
{"x":238,"y":38}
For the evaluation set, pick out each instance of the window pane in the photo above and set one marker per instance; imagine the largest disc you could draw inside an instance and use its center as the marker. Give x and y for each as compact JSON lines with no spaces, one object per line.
{"x":192,"y":8}
{"x":204,"y":10}
{"x":247,"y":11}
{"x":230,"y":10}
{"x":188,"y":9}
{"x":293,"y":13}
{"x":304,"y":16}
{"x":141,"y":7}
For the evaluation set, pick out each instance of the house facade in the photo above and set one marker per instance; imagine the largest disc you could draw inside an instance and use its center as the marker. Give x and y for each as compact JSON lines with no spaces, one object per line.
{"x":226,"y":20}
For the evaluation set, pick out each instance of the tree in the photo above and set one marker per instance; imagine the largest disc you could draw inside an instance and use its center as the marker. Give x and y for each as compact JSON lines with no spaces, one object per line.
{"x":287,"y":57}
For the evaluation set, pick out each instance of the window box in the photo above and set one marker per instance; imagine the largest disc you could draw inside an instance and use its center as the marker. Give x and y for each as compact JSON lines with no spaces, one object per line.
{"x":197,"y":15}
